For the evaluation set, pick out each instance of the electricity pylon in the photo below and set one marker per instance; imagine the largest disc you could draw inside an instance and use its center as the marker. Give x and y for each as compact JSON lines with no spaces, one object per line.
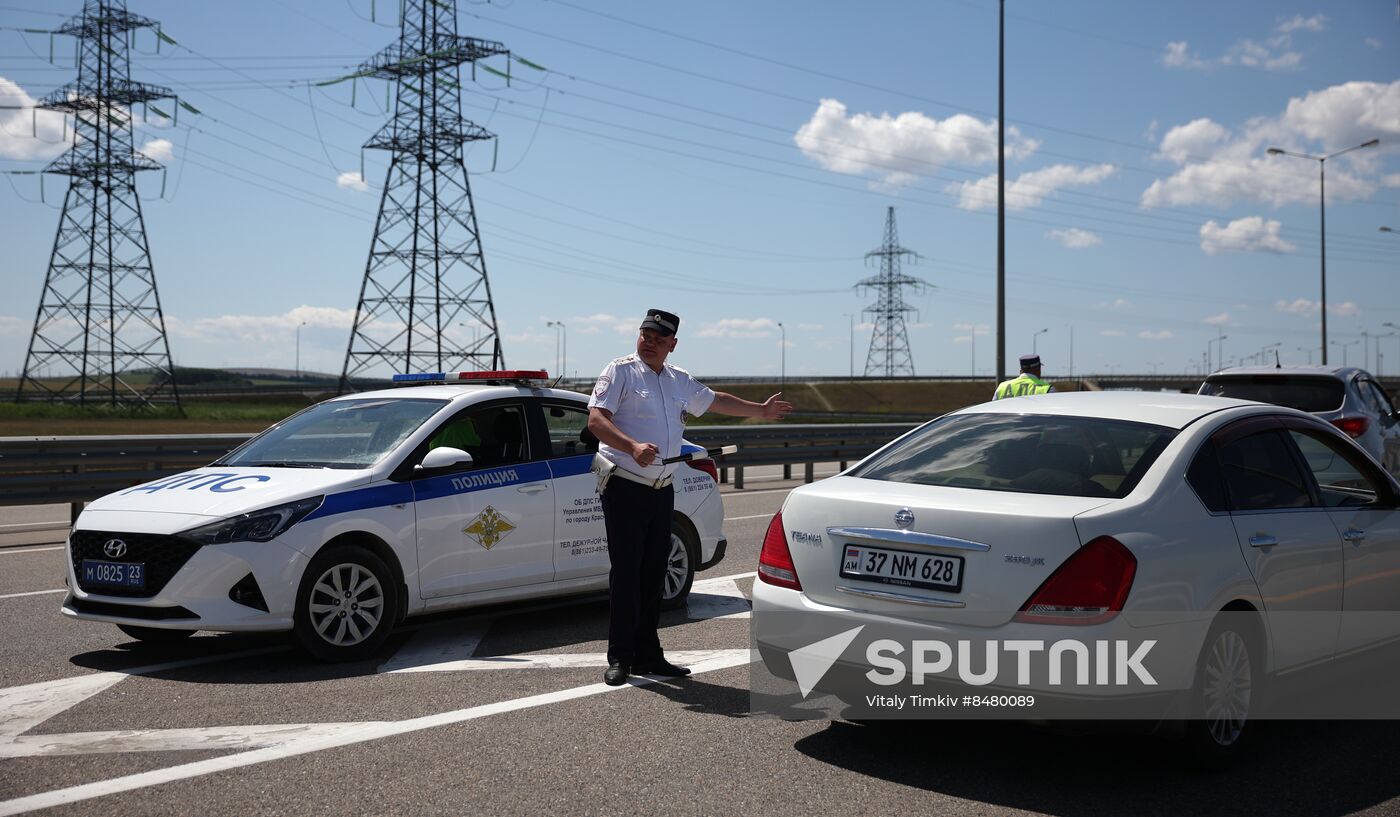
{"x":889,"y":343}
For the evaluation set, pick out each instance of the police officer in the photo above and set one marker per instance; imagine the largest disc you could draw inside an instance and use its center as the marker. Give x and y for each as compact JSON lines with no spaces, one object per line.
{"x":1028,"y":382}
{"x":638,"y":412}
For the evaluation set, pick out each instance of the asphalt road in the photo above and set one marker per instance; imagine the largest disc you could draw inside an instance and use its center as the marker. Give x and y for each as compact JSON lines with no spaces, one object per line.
{"x":501,"y":711}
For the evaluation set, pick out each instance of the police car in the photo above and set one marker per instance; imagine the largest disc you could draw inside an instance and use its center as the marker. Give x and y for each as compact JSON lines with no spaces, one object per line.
{"x":336,"y":523}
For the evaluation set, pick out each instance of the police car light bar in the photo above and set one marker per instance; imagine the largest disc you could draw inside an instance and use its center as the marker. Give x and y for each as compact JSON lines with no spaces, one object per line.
{"x":449,"y":377}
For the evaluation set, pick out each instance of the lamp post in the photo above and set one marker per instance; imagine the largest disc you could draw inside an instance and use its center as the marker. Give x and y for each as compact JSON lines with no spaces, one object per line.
{"x":1307,"y":349}
{"x":1344,"y":348}
{"x":1033,"y":339}
{"x":1001,"y":194}
{"x":1322,"y":217}
{"x":1265,"y":350}
{"x":1397,"y":342}
{"x":853,"y":342}
{"x":1220,"y":351}
{"x":1379,"y":356}
{"x":782,"y":351}
{"x":561,"y":338}
{"x":299,"y":326}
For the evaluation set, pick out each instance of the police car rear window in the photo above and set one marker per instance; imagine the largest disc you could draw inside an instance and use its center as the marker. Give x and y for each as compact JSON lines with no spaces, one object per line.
{"x":1036,"y":454}
{"x":1305,"y":393}
{"x":336,"y":434}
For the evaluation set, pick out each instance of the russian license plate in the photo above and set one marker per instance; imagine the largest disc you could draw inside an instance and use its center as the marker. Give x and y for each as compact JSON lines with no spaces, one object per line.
{"x":899,"y":567}
{"x":114,"y":574}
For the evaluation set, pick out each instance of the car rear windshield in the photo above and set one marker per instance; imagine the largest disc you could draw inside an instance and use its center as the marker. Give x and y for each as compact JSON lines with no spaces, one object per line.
{"x":1026,"y":453}
{"x":1303,"y":392}
{"x":336,"y":434}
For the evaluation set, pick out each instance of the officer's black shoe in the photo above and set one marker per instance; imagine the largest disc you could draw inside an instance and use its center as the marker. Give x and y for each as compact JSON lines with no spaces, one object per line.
{"x":662,"y":667}
{"x":616,"y":674}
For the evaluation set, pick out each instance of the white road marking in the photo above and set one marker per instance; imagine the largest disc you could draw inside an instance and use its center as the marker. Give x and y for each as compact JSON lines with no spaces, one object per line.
{"x":750,"y":516}
{"x":12,"y":552}
{"x":32,"y":593}
{"x":556,"y":660}
{"x":722,"y":659}
{"x":33,"y":527}
{"x":200,"y":738}
{"x":438,"y":644}
{"x":707,"y":581}
{"x":717,"y":600}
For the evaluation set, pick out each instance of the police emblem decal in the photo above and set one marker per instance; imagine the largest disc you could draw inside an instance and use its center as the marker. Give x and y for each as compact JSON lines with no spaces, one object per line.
{"x":488,"y":528}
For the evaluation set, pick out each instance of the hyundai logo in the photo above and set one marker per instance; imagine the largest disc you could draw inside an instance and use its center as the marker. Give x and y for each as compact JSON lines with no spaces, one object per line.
{"x":115,"y":548}
{"x":904,"y":517}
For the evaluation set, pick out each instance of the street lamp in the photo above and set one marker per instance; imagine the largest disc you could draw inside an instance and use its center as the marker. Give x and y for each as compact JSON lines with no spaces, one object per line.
{"x":1265,"y":350}
{"x":561,"y":337}
{"x":1344,"y":348}
{"x":1379,"y":356}
{"x":1033,"y":339}
{"x":853,"y":342}
{"x":299,"y":326}
{"x":1309,"y":350}
{"x":1397,"y":343}
{"x":1220,"y":351}
{"x":1322,"y":223}
{"x":782,"y":347}
{"x":1001,"y":194}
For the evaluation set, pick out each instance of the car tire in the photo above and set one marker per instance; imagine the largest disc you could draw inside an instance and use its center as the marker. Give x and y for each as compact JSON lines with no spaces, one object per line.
{"x":1228,"y":689}
{"x":155,"y":635}
{"x":346,"y":605}
{"x":681,"y":561}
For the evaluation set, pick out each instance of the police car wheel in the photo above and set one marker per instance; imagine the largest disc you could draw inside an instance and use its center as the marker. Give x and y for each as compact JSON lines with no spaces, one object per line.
{"x":345,"y":606}
{"x":153,"y":635}
{"x":680,"y":567}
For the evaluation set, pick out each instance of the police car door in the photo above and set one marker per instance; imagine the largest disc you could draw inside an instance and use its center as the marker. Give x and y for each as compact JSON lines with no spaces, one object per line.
{"x":578,"y":525}
{"x":489,"y":526}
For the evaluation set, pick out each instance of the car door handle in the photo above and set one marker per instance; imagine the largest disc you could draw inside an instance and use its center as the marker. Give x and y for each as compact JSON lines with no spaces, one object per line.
{"x":530,"y":489}
{"x":1354,"y":535}
{"x":1262,"y":540}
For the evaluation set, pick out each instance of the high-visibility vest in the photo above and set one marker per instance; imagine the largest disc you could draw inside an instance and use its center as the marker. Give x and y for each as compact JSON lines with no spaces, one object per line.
{"x":1025,"y":384}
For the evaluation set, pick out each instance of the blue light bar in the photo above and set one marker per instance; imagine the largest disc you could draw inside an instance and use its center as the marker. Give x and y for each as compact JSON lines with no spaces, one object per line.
{"x":419,"y":377}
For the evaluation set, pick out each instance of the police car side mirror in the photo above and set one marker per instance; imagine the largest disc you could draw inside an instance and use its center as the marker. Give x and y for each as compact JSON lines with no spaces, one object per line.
{"x":444,"y":457}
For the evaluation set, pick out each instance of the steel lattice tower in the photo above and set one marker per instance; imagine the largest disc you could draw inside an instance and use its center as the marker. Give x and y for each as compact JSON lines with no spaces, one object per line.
{"x":426,"y":273}
{"x":99,"y":328}
{"x":889,"y":343}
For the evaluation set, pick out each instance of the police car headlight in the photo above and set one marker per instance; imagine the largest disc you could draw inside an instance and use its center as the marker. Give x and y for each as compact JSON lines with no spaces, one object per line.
{"x":258,"y":526}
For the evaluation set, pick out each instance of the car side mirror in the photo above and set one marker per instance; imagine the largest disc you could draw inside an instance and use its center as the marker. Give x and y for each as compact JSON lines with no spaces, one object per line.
{"x":444,"y":457}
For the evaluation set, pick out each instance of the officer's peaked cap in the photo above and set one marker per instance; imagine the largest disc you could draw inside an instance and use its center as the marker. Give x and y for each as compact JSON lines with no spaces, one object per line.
{"x":661,"y":321}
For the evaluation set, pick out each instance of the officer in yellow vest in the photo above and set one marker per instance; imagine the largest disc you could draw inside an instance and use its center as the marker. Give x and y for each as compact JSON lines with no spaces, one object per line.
{"x":1028,"y":382}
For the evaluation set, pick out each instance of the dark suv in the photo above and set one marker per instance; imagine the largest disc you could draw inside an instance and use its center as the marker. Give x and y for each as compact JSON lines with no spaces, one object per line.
{"x":1345,"y":396}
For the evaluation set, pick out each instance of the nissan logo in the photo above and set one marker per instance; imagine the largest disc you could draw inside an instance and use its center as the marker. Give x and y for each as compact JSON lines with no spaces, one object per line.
{"x":904,"y":517}
{"x":115,"y":548}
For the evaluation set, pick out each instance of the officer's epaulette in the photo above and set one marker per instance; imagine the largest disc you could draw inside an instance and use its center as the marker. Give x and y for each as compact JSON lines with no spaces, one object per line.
{"x":677,"y":370}
{"x":627,"y":358}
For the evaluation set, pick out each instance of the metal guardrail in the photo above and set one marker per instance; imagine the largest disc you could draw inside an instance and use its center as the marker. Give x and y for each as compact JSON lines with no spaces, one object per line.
{"x":74,"y":470}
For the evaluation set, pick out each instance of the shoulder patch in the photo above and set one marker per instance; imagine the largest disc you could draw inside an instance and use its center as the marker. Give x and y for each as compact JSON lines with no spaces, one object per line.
{"x":626,"y":358}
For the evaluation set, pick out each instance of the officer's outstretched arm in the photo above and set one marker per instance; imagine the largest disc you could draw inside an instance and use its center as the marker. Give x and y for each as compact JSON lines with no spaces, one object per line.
{"x":601,"y":424}
{"x":774,"y":408}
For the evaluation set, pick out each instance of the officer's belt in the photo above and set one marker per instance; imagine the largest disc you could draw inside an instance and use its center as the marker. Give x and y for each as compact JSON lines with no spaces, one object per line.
{"x":658,"y":484}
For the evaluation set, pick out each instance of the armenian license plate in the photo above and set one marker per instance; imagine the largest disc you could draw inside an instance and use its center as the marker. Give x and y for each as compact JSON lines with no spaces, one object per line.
{"x":114,"y":574}
{"x":898,"y":567}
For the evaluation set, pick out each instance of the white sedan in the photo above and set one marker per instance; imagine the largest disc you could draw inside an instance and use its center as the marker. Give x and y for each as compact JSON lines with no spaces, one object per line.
{"x":1237,"y":541}
{"x":341,"y":520}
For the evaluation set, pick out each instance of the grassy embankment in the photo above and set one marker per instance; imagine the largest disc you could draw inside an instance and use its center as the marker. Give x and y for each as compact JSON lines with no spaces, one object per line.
{"x":925,"y":399}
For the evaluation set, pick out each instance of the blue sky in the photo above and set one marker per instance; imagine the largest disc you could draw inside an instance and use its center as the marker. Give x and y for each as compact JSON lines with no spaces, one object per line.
{"x":732,"y":162}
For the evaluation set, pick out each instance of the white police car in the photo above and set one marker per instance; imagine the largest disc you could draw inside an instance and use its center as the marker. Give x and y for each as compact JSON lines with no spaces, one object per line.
{"x":346,"y":517}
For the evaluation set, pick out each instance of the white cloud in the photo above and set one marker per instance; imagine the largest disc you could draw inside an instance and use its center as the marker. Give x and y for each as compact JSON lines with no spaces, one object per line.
{"x":351,"y":180}
{"x":1178,"y":55}
{"x":270,"y":329}
{"x":1028,"y":189}
{"x":1315,"y":23}
{"x":1221,"y":167}
{"x":26,"y":134}
{"x":1075,"y":238}
{"x":1112,"y":333}
{"x":1217,"y":320}
{"x":160,"y":150}
{"x":810,"y":327}
{"x":1161,"y":334}
{"x":895,"y":149}
{"x":1303,"y":306}
{"x":739,"y":328}
{"x":1250,"y":234}
{"x":977,"y":328}
{"x":1391,"y":180}
{"x":1116,"y":303}
{"x":1372,"y":42}
{"x":12,"y":327}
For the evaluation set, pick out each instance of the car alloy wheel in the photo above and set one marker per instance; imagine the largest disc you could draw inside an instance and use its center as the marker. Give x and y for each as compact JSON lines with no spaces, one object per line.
{"x":346,"y":605}
{"x":1227,"y":687}
{"x":681,"y":561}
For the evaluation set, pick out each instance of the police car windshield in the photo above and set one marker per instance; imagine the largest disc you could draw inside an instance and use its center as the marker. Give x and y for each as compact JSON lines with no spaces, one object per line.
{"x":1025,"y":453}
{"x":336,"y":434}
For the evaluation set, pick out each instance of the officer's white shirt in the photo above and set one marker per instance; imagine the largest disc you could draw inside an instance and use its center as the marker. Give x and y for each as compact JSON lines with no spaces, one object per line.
{"x":649,"y":408}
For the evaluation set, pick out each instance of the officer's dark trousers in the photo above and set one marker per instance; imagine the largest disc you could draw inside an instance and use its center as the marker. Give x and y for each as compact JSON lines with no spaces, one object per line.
{"x":638,"y":520}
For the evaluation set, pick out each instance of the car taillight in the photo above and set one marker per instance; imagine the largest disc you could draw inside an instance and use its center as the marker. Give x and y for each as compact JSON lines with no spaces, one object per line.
{"x":775,"y":561}
{"x":708,"y":466}
{"x":1089,"y":588}
{"x":1353,"y":426}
